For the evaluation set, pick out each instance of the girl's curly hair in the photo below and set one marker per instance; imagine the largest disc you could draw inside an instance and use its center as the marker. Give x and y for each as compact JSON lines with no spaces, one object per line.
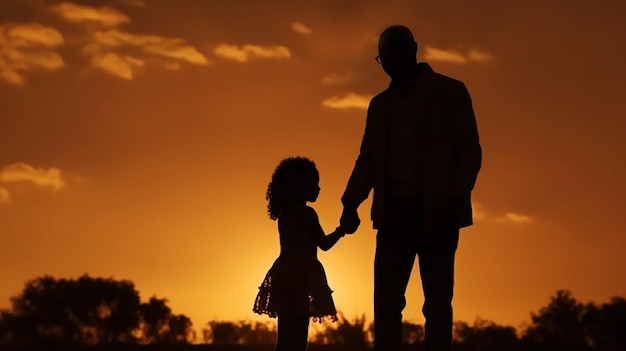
{"x":288,"y":185}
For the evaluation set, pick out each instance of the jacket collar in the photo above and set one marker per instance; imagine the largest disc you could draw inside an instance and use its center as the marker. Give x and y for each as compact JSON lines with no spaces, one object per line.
{"x":422,"y":75}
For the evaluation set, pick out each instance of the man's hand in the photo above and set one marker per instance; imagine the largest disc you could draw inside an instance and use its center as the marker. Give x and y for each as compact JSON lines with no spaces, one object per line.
{"x":349,"y":221}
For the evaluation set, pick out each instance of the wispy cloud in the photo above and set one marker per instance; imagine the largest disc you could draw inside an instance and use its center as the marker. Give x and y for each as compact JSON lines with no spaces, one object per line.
{"x":117,"y":65}
{"x":455,"y":56}
{"x":343,"y":78}
{"x":480,"y":214}
{"x":105,"y":16}
{"x":121,"y":53}
{"x":516,"y":218}
{"x":26,"y":47}
{"x":348,"y":101}
{"x":107,"y":52}
{"x":301,"y":28}
{"x":174,"y":48}
{"x":5,"y":197}
{"x":479,"y":56}
{"x":478,"y":211}
{"x":29,"y":34}
{"x":22,"y":172}
{"x":249,"y":52}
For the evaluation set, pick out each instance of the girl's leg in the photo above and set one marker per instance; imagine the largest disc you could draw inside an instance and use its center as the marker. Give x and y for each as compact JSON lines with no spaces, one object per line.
{"x":293,"y":333}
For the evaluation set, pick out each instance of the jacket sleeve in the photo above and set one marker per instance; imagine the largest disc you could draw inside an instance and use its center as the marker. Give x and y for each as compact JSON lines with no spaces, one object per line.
{"x":466,"y":140}
{"x":361,"y":180}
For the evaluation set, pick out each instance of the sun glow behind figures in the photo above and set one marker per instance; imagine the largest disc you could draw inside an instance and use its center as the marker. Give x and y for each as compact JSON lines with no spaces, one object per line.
{"x":130,"y":148}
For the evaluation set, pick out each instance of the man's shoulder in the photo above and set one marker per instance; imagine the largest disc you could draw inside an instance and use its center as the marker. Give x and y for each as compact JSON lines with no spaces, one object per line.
{"x":380,"y":95}
{"x":447,"y":83}
{"x":431,"y":82}
{"x":378,"y":98}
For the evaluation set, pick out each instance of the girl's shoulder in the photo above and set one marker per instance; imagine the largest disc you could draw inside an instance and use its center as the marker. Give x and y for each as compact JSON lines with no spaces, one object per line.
{"x":298,"y":212}
{"x":305,"y":214}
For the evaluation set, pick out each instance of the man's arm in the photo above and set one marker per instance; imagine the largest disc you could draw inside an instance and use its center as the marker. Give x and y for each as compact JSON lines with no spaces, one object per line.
{"x":361,"y":180}
{"x":467,"y":143}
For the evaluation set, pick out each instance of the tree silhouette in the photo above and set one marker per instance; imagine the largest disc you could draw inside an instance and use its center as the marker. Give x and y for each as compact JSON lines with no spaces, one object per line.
{"x":222,"y":333}
{"x":85,"y":312}
{"x":257,"y":333}
{"x":484,"y":335}
{"x":180,"y":330}
{"x":606,"y":325}
{"x":90,"y":311}
{"x":558,"y":326}
{"x":353,"y":334}
{"x":412,"y":334}
{"x":160,"y":326}
{"x":237,"y":333}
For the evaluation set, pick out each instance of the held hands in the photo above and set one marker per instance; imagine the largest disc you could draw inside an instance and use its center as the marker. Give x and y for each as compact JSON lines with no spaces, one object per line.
{"x":340,"y":231}
{"x":349,"y":221}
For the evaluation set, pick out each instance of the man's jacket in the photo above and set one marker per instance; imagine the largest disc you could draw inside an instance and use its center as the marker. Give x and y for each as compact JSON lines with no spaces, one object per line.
{"x":449,"y":153}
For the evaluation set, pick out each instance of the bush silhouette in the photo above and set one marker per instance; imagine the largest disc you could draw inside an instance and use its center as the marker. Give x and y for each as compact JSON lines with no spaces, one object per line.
{"x":86,"y":312}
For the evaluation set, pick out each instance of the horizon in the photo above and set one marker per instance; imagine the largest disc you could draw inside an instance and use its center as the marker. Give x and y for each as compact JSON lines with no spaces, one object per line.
{"x":137,"y":140}
{"x":365,"y":320}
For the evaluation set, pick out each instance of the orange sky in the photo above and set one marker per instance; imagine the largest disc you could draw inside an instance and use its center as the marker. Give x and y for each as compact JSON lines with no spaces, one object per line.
{"x":137,"y":139}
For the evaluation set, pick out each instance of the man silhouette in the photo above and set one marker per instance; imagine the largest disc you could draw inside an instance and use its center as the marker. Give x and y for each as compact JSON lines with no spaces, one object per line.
{"x":421,"y":155}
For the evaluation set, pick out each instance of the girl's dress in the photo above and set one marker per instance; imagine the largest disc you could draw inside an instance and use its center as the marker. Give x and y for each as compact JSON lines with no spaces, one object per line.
{"x":296,"y":283}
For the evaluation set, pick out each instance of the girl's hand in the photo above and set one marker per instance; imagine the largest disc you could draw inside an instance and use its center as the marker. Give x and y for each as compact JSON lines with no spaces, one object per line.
{"x":341,"y":231}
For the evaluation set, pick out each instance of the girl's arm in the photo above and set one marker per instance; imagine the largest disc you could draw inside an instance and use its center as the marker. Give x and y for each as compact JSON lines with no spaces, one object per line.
{"x":328,"y":241}
{"x":308,"y":218}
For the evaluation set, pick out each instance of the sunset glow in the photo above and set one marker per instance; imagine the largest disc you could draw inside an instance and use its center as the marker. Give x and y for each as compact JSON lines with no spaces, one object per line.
{"x":137,"y":139}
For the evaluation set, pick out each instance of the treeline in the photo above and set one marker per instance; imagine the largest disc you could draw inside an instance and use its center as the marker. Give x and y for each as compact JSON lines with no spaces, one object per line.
{"x":89,"y":311}
{"x":102,"y":313}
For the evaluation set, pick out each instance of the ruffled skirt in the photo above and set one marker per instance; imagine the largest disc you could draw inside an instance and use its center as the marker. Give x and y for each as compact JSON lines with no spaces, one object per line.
{"x":296,"y":288}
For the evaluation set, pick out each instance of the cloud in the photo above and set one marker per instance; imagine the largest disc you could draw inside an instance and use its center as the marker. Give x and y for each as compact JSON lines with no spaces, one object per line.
{"x":107,"y":52}
{"x":22,"y":172}
{"x":26,"y":47}
{"x":340,"y":78}
{"x":457,"y":57}
{"x":479,"y":56}
{"x":175,"y":48}
{"x":480,"y":214}
{"x":248,"y":52}
{"x":117,"y":65}
{"x":516,"y":218}
{"x":5,"y":197}
{"x":12,"y":77}
{"x":102,"y":40}
{"x":109,"y":49}
{"x":301,"y":28}
{"x":105,"y":16}
{"x":33,"y":34}
{"x":348,"y":101}
{"x":433,"y":54}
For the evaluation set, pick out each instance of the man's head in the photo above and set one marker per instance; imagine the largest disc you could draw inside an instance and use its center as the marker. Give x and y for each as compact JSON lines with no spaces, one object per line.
{"x":397,"y":50}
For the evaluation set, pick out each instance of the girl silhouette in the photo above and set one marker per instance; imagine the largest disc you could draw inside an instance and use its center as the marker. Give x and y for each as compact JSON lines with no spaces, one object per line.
{"x":295,"y":288}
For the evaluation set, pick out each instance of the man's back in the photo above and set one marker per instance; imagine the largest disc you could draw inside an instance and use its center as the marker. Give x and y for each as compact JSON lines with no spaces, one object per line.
{"x":416,"y":134}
